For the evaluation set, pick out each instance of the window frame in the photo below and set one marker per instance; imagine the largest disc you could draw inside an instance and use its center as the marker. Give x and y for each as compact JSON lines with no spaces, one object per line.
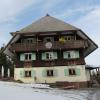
{"x":50,"y":55}
{"x":28,"y":40}
{"x":28,"y":56}
{"x":69,"y":38}
{"x":51,"y":39}
{"x":71,"y":53}
{"x":72,"y":72}
{"x":49,"y":73}
{"x":28,"y":73}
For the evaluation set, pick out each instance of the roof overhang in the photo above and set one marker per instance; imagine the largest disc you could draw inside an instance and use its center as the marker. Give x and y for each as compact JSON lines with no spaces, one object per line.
{"x":7,"y":47}
{"x":89,"y":67}
{"x":92,"y":45}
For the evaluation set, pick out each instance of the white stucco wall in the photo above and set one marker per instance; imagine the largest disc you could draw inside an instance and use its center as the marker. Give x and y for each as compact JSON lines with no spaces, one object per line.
{"x":59,"y":77}
{"x":88,"y":74}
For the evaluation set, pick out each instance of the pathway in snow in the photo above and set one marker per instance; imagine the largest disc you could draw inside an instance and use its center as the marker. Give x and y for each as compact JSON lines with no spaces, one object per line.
{"x":16,"y":91}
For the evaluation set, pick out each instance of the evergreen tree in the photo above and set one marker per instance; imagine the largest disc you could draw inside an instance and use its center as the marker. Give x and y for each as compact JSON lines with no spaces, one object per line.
{"x":2,"y":60}
{"x":6,"y":63}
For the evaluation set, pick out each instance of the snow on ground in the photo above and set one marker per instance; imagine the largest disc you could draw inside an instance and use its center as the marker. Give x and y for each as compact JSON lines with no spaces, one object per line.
{"x":17,"y":91}
{"x":42,"y":86}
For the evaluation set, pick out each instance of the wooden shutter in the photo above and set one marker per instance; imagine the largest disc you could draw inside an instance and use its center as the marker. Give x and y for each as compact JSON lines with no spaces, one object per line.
{"x":76,"y":54}
{"x":55,"y":55}
{"x":43,"y":56}
{"x":66,"y":72}
{"x":72,"y":53}
{"x":22,"y":73}
{"x":78,"y":72}
{"x":55,"y":72}
{"x":33,"y":73}
{"x":65,"y":54}
{"x":44,"y":73}
{"x":33,"y":57}
{"x":22,"y":57}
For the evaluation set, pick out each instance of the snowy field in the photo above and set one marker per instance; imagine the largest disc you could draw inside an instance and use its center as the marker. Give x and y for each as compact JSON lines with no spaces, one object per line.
{"x":17,"y":91}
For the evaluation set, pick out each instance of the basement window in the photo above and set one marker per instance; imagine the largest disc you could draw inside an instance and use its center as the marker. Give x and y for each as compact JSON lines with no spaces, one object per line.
{"x":27,"y":73}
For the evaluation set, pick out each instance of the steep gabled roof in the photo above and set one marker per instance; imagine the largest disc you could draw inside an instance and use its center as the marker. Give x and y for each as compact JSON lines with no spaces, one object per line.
{"x":47,"y":24}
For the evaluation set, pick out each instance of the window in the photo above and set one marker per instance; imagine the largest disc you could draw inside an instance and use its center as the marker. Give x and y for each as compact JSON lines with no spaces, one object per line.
{"x":72,"y":72}
{"x":28,"y":56}
{"x":70,"y":54}
{"x":50,"y":73}
{"x":67,"y":54}
{"x":49,"y":55}
{"x":67,"y":38}
{"x":48,"y":39}
{"x":27,"y":73}
{"x":28,"y":40}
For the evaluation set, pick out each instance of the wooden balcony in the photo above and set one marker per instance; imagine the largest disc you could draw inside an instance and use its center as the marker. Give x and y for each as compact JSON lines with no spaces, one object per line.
{"x":41,"y":63}
{"x":20,"y":47}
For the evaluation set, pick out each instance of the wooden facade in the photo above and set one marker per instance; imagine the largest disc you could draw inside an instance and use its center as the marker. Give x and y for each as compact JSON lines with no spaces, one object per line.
{"x":39,"y":63}
{"x":50,"y":46}
{"x":23,"y":47}
{"x":38,"y":47}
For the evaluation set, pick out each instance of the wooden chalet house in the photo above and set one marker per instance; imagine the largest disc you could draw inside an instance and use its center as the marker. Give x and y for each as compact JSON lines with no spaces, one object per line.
{"x":50,"y":51}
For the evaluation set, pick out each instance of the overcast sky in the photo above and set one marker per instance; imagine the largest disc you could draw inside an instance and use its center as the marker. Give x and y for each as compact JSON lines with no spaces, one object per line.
{"x":84,"y":14}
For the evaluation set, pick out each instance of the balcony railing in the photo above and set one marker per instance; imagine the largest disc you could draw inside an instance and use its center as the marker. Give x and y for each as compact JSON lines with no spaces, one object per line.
{"x":41,"y":63}
{"x":55,"y":45}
